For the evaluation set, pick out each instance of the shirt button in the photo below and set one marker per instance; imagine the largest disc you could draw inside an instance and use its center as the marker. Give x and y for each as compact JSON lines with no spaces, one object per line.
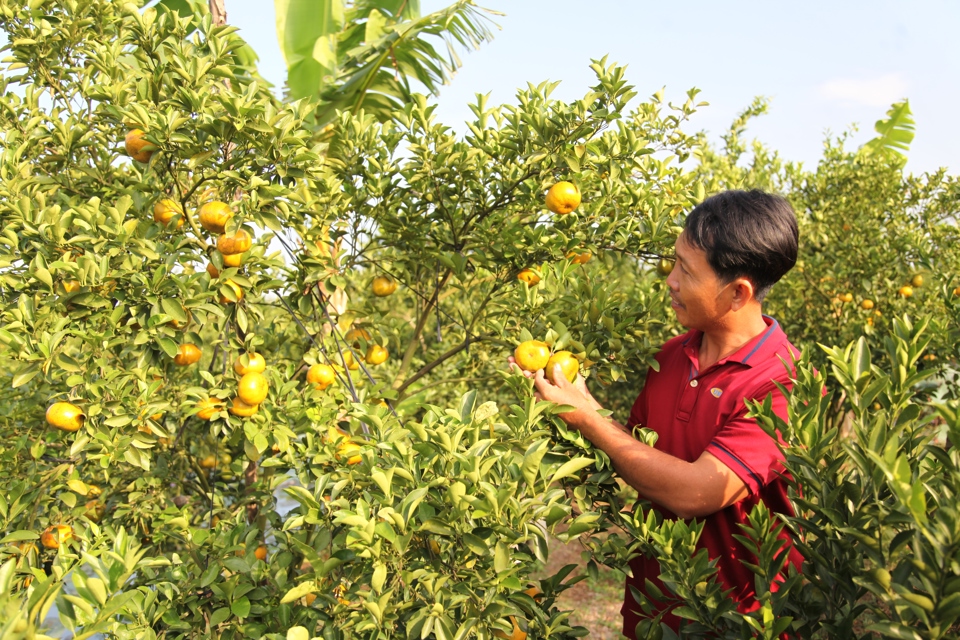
{"x":693,"y":383}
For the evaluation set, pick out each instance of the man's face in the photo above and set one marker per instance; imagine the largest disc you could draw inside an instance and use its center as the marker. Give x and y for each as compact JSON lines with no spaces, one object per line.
{"x":698,"y":296}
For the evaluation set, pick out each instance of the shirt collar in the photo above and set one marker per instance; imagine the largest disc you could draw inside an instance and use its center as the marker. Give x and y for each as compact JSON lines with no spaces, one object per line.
{"x":753,"y":351}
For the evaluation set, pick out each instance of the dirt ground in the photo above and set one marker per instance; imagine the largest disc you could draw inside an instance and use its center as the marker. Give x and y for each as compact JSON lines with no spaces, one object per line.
{"x":595,"y":603}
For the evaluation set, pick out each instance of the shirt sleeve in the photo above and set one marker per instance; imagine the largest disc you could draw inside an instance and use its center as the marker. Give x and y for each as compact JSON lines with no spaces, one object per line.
{"x":746,"y":448}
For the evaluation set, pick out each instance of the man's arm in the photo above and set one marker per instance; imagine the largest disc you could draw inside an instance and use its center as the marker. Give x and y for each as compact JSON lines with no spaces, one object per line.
{"x":688,"y":489}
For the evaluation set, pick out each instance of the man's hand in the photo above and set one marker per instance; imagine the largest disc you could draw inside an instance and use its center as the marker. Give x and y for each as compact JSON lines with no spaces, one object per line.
{"x":573,"y":393}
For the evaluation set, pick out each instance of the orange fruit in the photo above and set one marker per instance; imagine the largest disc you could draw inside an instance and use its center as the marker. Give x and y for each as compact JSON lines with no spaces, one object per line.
{"x":209,"y":408}
{"x":917,"y":281}
{"x":321,"y":376}
{"x":239,"y":242}
{"x":349,"y":451}
{"x":187,"y":355}
{"x":242,"y":409}
{"x":213,"y":271}
{"x":579,"y":258}
{"x":354,"y":335}
{"x":55,"y":535}
{"x":350,"y":362}
{"x":866,"y":304}
{"x":255,"y":364}
{"x":93,"y":491}
{"x":529,"y":276}
{"x":94,"y":510}
{"x":252,"y":388}
{"x":906,"y":291}
{"x":532,"y":355}
{"x":70,"y":286}
{"x":166,"y":210}
{"x":309,"y":598}
{"x":563,"y":197}
{"x":516,"y":634}
{"x":237,"y":292}
{"x":383,"y":286}
{"x":376,"y":354}
{"x":260,"y":553}
{"x":665,"y":266}
{"x":65,"y":416}
{"x":137,"y":147}
{"x":208,"y":462}
{"x":845,"y":297}
{"x":535,"y":593}
{"x":569,"y":366}
{"x":214,"y":216}
{"x":234,"y":260}
{"x":956,"y":291}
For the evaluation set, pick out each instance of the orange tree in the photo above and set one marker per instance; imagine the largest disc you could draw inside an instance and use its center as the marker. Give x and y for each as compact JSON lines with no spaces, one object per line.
{"x":250,"y":438}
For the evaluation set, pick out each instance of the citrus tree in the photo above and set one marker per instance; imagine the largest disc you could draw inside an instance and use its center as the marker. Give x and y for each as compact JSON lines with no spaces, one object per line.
{"x":243,"y":365}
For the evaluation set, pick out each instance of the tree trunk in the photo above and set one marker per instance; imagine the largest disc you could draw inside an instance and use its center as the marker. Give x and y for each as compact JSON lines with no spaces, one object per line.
{"x":219,"y":12}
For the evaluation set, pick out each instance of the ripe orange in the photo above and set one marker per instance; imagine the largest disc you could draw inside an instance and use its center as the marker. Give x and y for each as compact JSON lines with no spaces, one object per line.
{"x":845,"y":297}
{"x":137,"y":147}
{"x":94,"y":510}
{"x":569,"y":366}
{"x":93,"y":491}
{"x":917,"y":281}
{"x":532,"y":355}
{"x":535,"y":593}
{"x":665,"y":266}
{"x":260,"y":553}
{"x":355,"y":334}
{"x":208,"y":462}
{"x":516,"y":634}
{"x":209,"y":407}
{"x":309,"y":598}
{"x":239,"y":242}
{"x":70,"y":286}
{"x":563,"y":197}
{"x":214,"y":216}
{"x":166,"y":210}
{"x":906,"y":291}
{"x":349,"y":451}
{"x":234,"y":260}
{"x":255,"y":364}
{"x":348,"y":359}
{"x":213,"y":271}
{"x":242,"y":409}
{"x":65,"y":416}
{"x":579,"y":258}
{"x":376,"y":354}
{"x":252,"y":388}
{"x":529,"y":276}
{"x":956,"y":291}
{"x":866,"y":304}
{"x":321,"y":376}
{"x":55,"y":535}
{"x":383,"y":286}
{"x":187,"y":354}
{"x":237,"y":291}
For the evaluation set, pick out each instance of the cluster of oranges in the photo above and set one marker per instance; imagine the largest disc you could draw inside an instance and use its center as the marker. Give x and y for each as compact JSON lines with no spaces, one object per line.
{"x":533,"y":355}
{"x":562,"y":198}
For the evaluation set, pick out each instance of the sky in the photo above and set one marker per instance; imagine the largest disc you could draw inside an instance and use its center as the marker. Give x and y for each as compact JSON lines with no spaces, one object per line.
{"x":825,"y":66}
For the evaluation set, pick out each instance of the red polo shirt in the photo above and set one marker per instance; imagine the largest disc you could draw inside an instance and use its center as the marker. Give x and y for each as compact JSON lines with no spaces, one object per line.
{"x":694,"y":411}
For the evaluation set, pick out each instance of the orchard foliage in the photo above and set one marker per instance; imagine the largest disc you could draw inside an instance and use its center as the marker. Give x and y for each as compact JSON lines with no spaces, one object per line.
{"x":415,"y":497}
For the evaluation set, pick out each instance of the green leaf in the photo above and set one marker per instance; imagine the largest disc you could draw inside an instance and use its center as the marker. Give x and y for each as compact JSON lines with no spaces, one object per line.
{"x":896,"y":132}
{"x":570,"y":467}
{"x":241,"y":608}
{"x":169,"y":346}
{"x":307,"y":31}
{"x":299,"y":591}
{"x":219,"y":616}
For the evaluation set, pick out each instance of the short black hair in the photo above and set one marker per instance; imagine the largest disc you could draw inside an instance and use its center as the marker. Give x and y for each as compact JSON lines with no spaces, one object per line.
{"x":746,"y":234}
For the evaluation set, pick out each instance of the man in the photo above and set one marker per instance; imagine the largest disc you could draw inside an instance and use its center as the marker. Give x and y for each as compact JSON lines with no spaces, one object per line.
{"x":710,"y":462}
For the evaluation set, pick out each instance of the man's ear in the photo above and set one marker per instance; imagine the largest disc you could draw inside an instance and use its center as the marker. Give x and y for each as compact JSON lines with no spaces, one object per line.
{"x":743,"y":291}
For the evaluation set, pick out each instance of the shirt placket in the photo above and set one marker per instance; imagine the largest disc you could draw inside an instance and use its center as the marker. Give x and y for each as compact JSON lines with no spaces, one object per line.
{"x":688,"y":398}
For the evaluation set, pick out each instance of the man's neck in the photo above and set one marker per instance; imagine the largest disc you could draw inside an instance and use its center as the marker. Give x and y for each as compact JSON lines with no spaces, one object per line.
{"x":726,"y":338}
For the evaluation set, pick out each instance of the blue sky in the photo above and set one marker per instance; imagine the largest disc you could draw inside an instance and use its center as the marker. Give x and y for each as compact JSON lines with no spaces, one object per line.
{"x":825,"y":65}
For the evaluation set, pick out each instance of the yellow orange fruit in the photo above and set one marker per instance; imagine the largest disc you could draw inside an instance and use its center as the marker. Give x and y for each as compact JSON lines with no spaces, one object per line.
{"x":665,"y":266}
{"x":252,"y":388}
{"x":260,"y":553}
{"x":376,"y":354}
{"x":532,"y":355}
{"x":349,"y":451}
{"x":214,"y":216}
{"x":866,"y":304}
{"x":906,"y":291}
{"x":94,"y":510}
{"x":55,"y":535}
{"x":349,"y":360}
{"x":137,"y":147}
{"x":383,"y":286}
{"x":70,"y":286}
{"x":321,"y":376}
{"x":237,"y":292}
{"x":535,"y":593}
{"x":240,"y":408}
{"x":845,"y":297}
{"x":917,"y":281}
{"x":529,"y":276}
{"x":563,"y":197}
{"x":309,"y":599}
{"x":238,"y":242}
{"x":255,"y":363}
{"x":569,"y":366}
{"x":187,"y":354}
{"x":213,"y":271}
{"x":516,"y":634}
{"x":209,"y":407}
{"x":208,"y":462}
{"x":355,"y":335}
{"x":65,"y":416}
{"x":579,"y":257}
{"x":166,"y":210}
{"x":234,"y":260}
